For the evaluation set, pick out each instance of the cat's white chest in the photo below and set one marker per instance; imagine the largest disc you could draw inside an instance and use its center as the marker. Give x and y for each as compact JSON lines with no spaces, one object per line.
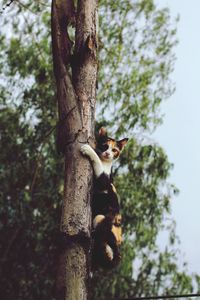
{"x":107,"y":167}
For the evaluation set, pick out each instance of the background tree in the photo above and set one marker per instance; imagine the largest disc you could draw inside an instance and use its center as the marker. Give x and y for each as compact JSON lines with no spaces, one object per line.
{"x":135,"y":62}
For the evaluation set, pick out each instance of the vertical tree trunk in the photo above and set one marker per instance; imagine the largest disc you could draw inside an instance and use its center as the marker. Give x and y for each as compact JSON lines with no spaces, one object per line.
{"x":76,"y":92}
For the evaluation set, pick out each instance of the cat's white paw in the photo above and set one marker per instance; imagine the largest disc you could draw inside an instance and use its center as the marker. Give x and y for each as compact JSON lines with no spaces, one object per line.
{"x":109,"y":252}
{"x":97,"y":220}
{"x":96,"y":162}
{"x":86,"y":150}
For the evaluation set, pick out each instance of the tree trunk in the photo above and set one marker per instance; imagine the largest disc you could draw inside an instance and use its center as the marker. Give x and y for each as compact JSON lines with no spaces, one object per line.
{"x":76,"y":92}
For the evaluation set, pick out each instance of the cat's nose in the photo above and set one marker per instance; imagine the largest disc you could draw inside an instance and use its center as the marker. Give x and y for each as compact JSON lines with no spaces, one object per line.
{"x":107,"y":154}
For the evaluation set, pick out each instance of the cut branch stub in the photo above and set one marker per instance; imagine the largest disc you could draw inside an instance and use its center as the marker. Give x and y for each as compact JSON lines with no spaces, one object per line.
{"x":63,"y":14}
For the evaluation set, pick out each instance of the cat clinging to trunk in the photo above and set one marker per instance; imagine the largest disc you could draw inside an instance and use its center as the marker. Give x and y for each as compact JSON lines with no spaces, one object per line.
{"x":107,"y":236}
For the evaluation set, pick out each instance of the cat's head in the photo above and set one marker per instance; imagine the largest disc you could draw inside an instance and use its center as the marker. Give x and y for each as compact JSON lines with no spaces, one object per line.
{"x":108,"y":148}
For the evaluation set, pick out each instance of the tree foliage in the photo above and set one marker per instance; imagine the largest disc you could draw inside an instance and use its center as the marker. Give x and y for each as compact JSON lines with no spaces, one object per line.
{"x":136,"y":41}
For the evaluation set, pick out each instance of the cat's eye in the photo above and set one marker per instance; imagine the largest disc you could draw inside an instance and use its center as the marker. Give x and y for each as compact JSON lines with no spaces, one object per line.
{"x":114,"y":150}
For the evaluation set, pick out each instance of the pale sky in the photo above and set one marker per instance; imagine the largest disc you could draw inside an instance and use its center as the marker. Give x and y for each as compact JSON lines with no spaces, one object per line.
{"x":179,"y":135}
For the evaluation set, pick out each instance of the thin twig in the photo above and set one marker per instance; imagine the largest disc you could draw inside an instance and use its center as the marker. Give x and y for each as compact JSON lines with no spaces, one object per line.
{"x":39,"y":156}
{"x":10,"y":243}
{"x":6,"y":6}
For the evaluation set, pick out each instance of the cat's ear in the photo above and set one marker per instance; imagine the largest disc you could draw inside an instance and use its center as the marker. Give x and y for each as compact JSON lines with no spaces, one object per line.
{"x":102,"y":131}
{"x":122,"y":143}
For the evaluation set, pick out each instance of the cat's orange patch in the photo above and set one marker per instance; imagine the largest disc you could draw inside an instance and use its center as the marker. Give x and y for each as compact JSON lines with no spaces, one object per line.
{"x":113,"y":144}
{"x":117,"y":229}
{"x":118,"y":220}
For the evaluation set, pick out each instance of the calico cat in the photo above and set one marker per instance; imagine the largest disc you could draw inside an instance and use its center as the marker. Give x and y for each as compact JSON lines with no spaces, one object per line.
{"x":107,"y":235}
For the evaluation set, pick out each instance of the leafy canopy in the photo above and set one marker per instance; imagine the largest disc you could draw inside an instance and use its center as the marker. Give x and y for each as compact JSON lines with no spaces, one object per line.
{"x":136,"y":42}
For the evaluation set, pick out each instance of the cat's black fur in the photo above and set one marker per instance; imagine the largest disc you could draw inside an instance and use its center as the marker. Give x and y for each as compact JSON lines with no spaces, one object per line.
{"x":103,"y":236}
{"x":105,"y":203}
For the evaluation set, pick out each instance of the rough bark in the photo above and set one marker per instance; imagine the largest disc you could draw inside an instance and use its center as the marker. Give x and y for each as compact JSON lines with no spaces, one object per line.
{"x":75,"y":75}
